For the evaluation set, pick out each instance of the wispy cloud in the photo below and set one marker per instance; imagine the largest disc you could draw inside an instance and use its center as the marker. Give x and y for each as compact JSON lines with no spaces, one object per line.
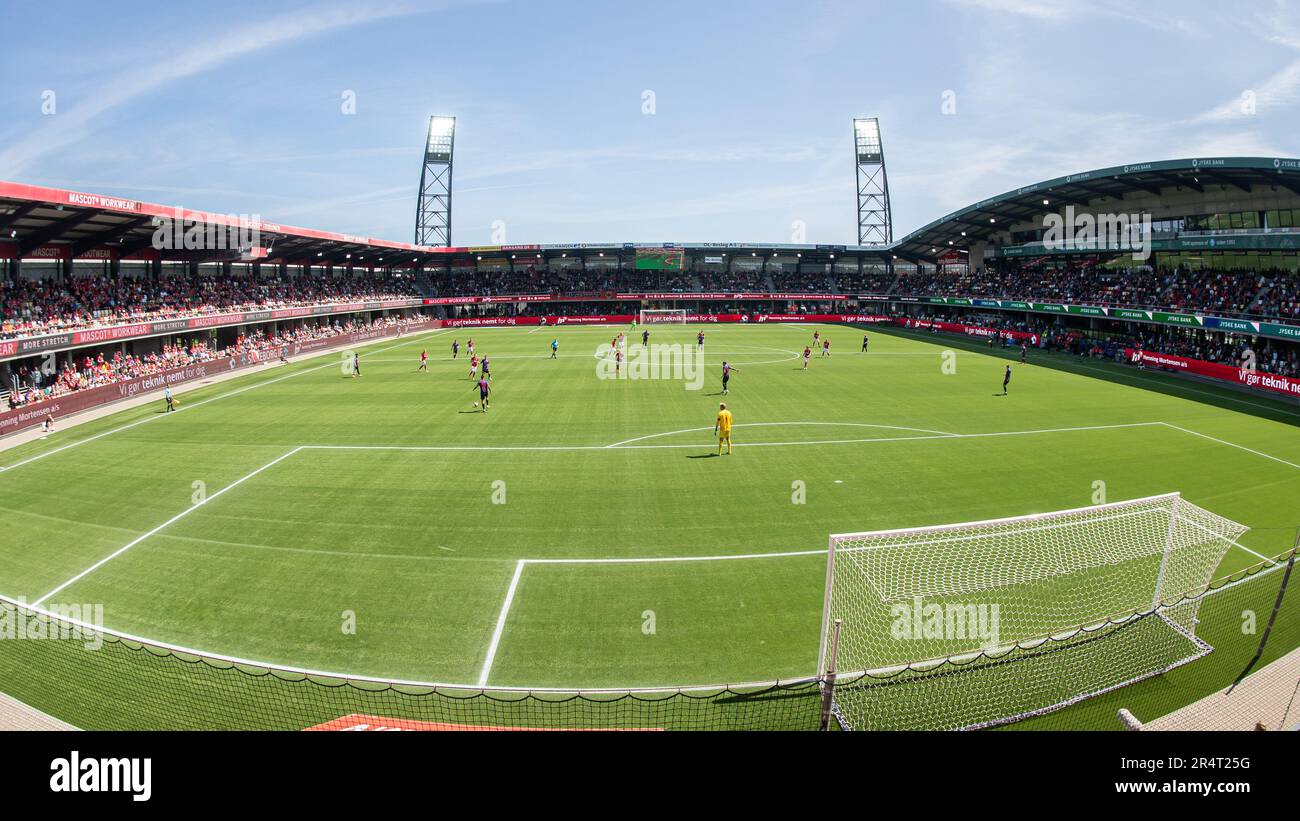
{"x":1280,"y":90}
{"x":76,"y":123}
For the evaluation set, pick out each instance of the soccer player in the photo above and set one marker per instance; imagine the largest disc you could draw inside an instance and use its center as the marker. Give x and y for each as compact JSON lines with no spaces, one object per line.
{"x":555,"y":347}
{"x":722,"y":428}
{"x":469,"y":346}
{"x":618,"y":362}
{"x":817,"y":335}
{"x":1006,"y":380}
{"x":807,"y":354}
{"x":826,"y":346}
{"x":483,"y":390}
{"x":424,"y":360}
{"x":865,"y":342}
{"x":356,"y":365}
{"x":473,"y":367}
{"x":726,"y":376}
{"x":487,"y":369}
{"x":645,"y":338}
{"x":1024,"y":352}
{"x":455,"y":348}
{"x":699,"y":341}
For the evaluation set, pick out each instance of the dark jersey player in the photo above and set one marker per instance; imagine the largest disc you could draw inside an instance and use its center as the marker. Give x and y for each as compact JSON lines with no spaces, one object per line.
{"x":726,"y":377}
{"x":865,"y":342}
{"x":484,"y":390}
{"x":455,"y":348}
{"x":1006,"y":380}
{"x":645,"y":338}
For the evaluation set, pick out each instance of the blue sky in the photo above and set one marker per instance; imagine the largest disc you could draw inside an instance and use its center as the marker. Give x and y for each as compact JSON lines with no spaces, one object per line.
{"x":237,"y":107}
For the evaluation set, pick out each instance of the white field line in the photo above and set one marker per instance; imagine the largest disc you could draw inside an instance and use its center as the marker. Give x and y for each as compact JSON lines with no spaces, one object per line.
{"x":674,"y":559}
{"x":1231,"y":445}
{"x":624,"y":446}
{"x":785,"y":424}
{"x":199,"y":404}
{"x":165,"y":524}
{"x":501,"y":623}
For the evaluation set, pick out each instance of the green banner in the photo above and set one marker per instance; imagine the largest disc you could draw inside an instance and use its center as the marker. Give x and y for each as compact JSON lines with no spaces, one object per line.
{"x":1186,"y":320}
{"x":1129,"y":313}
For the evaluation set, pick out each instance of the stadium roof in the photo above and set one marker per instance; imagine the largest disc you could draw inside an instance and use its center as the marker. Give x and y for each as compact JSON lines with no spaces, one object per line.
{"x":987,"y":217}
{"x":79,"y":225}
{"x":57,"y":223}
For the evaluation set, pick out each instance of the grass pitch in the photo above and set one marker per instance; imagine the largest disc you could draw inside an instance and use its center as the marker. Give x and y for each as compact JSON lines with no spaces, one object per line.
{"x":382,"y":526}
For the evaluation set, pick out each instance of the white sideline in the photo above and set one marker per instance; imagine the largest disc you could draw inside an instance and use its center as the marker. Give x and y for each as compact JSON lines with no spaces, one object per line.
{"x":170,"y":521}
{"x":1232,"y":445}
{"x":501,"y":623}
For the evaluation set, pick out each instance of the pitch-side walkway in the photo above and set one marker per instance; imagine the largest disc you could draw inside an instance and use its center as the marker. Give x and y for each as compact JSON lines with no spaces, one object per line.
{"x":14,"y":715}
{"x":1269,"y":697}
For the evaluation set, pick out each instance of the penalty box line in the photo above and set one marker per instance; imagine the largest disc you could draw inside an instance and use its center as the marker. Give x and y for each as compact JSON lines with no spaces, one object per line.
{"x":503,"y":616}
{"x":164,"y":525}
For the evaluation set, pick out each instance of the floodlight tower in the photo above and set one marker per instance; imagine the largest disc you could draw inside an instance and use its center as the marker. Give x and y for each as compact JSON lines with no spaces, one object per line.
{"x":875,"y":225}
{"x":433,"y":211}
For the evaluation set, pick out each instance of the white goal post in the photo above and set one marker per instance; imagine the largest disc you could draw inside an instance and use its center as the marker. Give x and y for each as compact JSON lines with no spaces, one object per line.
{"x":662,"y":316}
{"x":975,"y":624}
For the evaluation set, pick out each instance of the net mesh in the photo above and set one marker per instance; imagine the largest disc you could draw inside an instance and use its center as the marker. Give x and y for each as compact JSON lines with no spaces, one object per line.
{"x":1062,"y":606}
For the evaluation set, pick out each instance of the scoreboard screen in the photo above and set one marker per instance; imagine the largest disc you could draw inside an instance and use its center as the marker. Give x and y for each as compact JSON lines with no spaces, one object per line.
{"x":657,"y":259}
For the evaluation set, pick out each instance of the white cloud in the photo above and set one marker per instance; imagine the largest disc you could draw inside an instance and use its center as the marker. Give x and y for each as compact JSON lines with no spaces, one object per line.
{"x":76,"y":123}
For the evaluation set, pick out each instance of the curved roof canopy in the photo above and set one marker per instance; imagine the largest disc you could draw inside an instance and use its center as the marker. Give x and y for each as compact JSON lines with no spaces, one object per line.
{"x":987,"y":217}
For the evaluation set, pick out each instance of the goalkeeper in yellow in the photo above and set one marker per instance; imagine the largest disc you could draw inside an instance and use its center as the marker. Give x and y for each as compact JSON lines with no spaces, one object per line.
{"x":722,"y":428}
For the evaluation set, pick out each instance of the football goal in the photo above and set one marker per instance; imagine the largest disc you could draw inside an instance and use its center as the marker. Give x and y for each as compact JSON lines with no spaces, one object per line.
{"x":663,"y":316}
{"x":972,"y":625}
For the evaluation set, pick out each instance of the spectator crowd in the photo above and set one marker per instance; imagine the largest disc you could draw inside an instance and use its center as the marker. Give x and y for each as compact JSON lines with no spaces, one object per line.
{"x":31,"y":307}
{"x":29,"y":385}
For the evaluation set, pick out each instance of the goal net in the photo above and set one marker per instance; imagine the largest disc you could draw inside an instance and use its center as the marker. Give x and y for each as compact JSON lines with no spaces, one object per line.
{"x":662,"y":316}
{"x":971,"y":625}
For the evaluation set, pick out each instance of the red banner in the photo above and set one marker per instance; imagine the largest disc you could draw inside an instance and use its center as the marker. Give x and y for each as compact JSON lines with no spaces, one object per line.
{"x":1214,"y":370}
{"x":968,"y":330}
{"x":857,"y":318}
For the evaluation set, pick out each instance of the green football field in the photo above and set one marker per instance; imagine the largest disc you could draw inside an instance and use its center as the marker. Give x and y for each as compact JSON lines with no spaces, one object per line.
{"x":584,"y":532}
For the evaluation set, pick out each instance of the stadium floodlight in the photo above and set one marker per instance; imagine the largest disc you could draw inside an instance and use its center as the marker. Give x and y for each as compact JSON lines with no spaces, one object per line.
{"x":977,"y":624}
{"x":433,"y":211}
{"x":875,"y":225}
